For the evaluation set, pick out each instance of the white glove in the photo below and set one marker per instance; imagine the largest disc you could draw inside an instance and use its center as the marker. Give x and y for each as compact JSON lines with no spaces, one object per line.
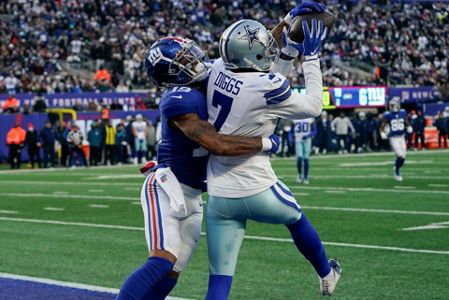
{"x":409,"y":129}
{"x":383,"y":135}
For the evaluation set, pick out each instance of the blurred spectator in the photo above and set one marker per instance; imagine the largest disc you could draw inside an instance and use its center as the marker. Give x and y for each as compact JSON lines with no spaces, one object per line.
{"x":78,"y":106}
{"x":48,"y":138}
{"x":441,"y":123}
{"x":11,"y":83}
{"x":140,"y":133}
{"x":139,"y":104}
{"x":39,"y":103}
{"x":419,"y":125}
{"x":61,"y":136}
{"x":33,"y":144}
{"x":11,"y":105}
{"x":75,"y":141}
{"x":121,"y":144}
{"x":94,"y":137}
{"x":110,"y":147}
{"x":324,"y":133}
{"x":151,"y":140}
{"x":130,"y":135}
{"x":25,"y":109}
{"x":115,"y":105}
{"x":15,"y":140}
{"x":342,"y":127}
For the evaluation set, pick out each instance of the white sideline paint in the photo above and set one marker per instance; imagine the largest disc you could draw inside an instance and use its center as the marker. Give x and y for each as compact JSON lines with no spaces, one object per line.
{"x":375,"y":210}
{"x":439,"y":225}
{"x":8,"y":212}
{"x":98,"y":206}
{"x":247,"y":237}
{"x":81,"y":286}
{"x":42,"y":195}
{"x":369,"y":190}
{"x":54,"y":208}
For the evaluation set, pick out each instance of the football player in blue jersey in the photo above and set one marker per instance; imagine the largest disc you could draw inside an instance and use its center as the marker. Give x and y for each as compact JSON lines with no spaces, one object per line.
{"x":171,"y":195}
{"x":393,"y":127}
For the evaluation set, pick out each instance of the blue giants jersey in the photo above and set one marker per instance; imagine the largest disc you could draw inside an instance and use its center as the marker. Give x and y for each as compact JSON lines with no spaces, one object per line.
{"x":187,"y":159}
{"x":396,"y":121}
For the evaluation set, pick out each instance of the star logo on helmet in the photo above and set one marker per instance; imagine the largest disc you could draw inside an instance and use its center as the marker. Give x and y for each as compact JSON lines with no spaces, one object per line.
{"x":251,"y":35}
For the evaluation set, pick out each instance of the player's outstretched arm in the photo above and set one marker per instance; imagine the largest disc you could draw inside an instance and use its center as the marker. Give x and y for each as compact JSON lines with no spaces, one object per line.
{"x":203,"y":133}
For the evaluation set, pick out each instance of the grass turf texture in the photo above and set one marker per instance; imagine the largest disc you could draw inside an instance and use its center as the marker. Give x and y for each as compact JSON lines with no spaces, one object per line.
{"x":266,"y":269}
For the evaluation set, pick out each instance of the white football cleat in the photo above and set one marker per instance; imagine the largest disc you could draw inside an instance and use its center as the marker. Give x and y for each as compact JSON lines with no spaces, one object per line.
{"x":298,"y":179}
{"x":397,"y":176}
{"x":305,"y":181}
{"x":328,"y":283}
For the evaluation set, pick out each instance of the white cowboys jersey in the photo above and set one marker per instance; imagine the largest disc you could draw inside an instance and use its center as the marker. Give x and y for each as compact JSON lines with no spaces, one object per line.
{"x":249,"y":104}
{"x":302,"y":128}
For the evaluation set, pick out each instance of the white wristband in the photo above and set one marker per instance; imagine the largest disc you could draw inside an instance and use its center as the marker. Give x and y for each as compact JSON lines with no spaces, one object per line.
{"x":266,"y":144}
{"x":310,"y":57}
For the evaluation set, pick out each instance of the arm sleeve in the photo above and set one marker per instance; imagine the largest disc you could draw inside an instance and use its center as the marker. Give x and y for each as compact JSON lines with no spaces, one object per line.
{"x":282,"y":66}
{"x":298,"y":106}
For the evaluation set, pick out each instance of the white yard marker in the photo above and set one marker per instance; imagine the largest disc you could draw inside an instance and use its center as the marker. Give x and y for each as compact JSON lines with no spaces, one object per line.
{"x":60,"y":192}
{"x":132,"y":188}
{"x":95,"y":191}
{"x":135,"y":203}
{"x":248,"y":237}
{"x":54,"y":208}
{"x":98,"y":206}
{"x":439,"y":225}
{"x":122,"y":176}
{"x":81,"y":286}
{"x":301,"y":194}
{"x":8,"y":212}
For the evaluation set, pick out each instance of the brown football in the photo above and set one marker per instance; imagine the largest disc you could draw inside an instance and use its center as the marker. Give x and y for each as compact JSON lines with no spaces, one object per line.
{"x":295,"y":30}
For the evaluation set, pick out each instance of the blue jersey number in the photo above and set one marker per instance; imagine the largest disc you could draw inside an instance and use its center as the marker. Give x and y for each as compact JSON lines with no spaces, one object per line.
{"x":225,"y":102}
{"x":302,"y":127}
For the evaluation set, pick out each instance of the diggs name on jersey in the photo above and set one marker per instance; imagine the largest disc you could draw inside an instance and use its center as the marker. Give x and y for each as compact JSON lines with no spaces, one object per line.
{"x":227,"y":83}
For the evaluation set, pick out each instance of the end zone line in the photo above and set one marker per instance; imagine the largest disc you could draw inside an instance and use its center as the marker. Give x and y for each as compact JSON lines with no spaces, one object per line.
{"x":81,"y":286}
{"x":247,"y":237}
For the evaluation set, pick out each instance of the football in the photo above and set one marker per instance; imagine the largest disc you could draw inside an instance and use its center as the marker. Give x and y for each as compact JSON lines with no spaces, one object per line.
{"x":296,"y":32}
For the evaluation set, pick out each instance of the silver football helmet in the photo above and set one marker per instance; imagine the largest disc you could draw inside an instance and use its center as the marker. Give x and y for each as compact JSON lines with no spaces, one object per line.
{"x":394,"y":105}
{"x":247,"y":44}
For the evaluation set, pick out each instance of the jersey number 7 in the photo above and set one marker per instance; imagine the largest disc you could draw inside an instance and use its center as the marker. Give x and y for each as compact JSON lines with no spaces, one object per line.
{"x":225,"y":103}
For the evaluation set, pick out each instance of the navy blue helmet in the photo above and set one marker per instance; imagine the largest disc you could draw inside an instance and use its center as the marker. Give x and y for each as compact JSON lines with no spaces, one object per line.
{"x":174,"y":61}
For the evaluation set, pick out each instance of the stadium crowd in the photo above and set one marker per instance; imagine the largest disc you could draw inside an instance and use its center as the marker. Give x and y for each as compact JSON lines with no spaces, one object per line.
{"x":402,"y":44}
{"x":134,"y":140}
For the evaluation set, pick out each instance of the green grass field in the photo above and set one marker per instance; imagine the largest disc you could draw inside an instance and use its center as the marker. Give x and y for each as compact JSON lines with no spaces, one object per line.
{"x":353,"y":201}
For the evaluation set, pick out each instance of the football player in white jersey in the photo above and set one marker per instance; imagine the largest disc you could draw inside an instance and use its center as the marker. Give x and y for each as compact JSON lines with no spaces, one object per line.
{"x":244,"y":98}
{"x":304,"y":131}
{"x":140,"y":129}
{"x":396,"y":121}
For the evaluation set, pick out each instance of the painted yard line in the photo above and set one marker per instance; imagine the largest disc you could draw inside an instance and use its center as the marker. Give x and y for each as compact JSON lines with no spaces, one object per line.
{"x":247,"y":237}
{"x":41,"y":195}
{"x":118,"y":176}
{"x":96,"y":191}
{"x":132,"y":188}
{"x":54,"y":208}
{"x":432,"y":172}
{"x":334,"y":192}
{"x":333,"y":156}
{"x":57,"y":192}
{"x":98,"y":206}
{"x":81,"y":286}
{"x":437,"y":185}
{"x":375,"y":210}
{"x":71,"y":183}
{"x":302,"y":194}
{"x":64,"y":170}
{"x":8,"y":212}
{"x":136,"y":203}
{"x":370,"y":190}
{"x":285,"y":174}
{"x":405,"y":187}
{"x":438,"y":225}
{"x":382,"y":163}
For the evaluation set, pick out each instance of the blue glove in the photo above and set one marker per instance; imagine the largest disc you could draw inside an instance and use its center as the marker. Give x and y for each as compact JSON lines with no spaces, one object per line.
{"x":312,"y":39}
{"x":303,"y":9}
{"x":275,"y":141}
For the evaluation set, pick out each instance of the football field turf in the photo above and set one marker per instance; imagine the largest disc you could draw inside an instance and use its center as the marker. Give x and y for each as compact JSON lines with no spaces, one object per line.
{"x":391,"y":238}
